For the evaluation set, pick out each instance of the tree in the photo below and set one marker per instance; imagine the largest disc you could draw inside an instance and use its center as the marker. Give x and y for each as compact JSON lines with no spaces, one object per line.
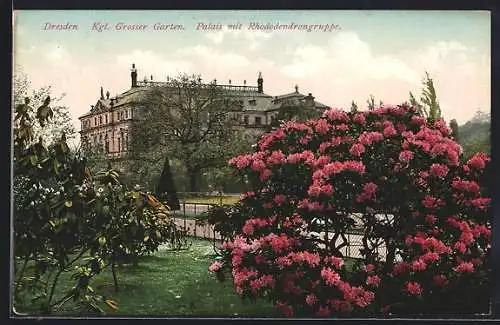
{"x":60,"y":121}
{"x":188,"y":120}
{"x":294,"y":110}
{"x":354,"y":107}
{"x":370,"y":102}
{"x":429,"y":104}
{"x":165,"y":189}
{"x":475,"y":134}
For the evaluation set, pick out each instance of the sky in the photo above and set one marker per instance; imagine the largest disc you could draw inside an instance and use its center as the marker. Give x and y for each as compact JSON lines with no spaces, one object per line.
{"x":354,"y":55}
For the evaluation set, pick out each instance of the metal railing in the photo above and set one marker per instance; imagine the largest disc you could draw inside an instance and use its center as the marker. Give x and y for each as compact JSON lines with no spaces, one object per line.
{"x":188,"y":219}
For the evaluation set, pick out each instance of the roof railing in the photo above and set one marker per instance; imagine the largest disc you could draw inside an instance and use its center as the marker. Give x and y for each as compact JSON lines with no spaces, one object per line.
{"x":224,"y":87}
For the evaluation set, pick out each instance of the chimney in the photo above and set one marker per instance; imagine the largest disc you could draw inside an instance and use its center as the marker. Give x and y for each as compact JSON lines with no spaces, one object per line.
{"x":133,"y":75}
{"x":102,"y":93}
{"x":309,"y":100}
{"x":260,"y":83}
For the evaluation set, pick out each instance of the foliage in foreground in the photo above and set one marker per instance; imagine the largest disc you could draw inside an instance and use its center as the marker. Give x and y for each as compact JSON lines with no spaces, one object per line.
{"x":424,"y":215}
{"x":66,"y":222}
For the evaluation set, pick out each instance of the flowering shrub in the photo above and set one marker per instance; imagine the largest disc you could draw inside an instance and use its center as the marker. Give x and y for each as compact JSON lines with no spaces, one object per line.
{"x":423,"y":216}
{"x":69,"y":225}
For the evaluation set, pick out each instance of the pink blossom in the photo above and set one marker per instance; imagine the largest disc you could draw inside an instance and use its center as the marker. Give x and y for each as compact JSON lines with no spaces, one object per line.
{"x":431,"y":202}
{"x":430,"y":219}
{"x":336,"y":115}
{"x":330,"y":276}
{"x":276,"y":158}
{"x":464,"y":267}
{"x":357,"y":149}
{"x":311,"y":299}
{"x":367,"y":138}
{"x":438,"y":170}
{"x":389,"y":131}
{"x":355,"y":166}
{"x":214,"y":267}
{"x":280,"y":199}
{"x":465,"y":186}
{"x":460,"y":246}
{"x":481,"y":203}
{"x":413,"y":288}
{"x":400,"y":268}
{"x":337,"y":262}
{"x":248,"y":228}
{"x":418,"y":265}
{"x":373,"y":280}
{"x":241,"y":161}
{"x":405,"y":156}
{"x":265,"y":174}
{"x":478,"y":161}
{"x":359,"y":118}
{"x":322,"y":126}
{"x":369,"y":267}
{"x":440,"y":280}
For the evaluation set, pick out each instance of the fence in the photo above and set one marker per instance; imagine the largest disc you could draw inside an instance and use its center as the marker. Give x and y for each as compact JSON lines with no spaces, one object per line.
{"x":189,"y":213}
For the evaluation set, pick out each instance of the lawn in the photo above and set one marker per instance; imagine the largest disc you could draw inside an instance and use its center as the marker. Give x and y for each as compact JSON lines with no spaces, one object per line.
{"x":172,"y":283}
{"x":229,"y":200}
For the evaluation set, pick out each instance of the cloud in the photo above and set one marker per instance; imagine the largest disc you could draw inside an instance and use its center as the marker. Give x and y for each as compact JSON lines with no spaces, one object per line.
{"x":59,"y":57}
{"x":347,"y":55}
{"x":152,"y":63}
{"x":347,"y":69}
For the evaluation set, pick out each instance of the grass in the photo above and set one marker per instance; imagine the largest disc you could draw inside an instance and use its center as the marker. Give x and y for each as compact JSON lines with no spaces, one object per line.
{"x":174,"y":283}
{"x":229,"y":200}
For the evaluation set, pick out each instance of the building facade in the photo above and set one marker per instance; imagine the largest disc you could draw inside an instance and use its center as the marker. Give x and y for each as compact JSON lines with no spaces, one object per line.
{"x":108,"y":123}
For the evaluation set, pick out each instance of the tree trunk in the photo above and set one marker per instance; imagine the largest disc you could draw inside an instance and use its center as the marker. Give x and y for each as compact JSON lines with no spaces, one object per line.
{"x":115,"y":279}
{"x":165,"y":189}
{"x":194,"y":177}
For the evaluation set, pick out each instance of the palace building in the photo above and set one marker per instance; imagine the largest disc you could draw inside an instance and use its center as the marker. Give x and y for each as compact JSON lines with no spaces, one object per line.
{"x":109,"y":120}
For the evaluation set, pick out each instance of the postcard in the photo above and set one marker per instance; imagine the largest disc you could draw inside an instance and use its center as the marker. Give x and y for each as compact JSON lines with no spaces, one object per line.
{"x":256,"y":163}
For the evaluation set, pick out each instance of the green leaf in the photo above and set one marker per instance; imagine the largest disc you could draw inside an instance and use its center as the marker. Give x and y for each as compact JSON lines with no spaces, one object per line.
{"x":68,"y":204}
{"x":102,"y":241}
{"x":33,"y":160}
{"x":146,"y":238}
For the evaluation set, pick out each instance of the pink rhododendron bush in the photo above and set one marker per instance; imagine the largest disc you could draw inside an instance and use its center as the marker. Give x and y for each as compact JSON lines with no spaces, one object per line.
{"x":421,"y":215}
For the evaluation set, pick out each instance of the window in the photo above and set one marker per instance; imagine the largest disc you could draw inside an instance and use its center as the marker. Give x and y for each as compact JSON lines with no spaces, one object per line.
{"x":126,"y":114}
{"x":245,"y":118}
{"x":119,"y":145}
{"x":258,"y":120}
{"x":106,"y":117}
{"x":100,"y":138}
{"x":100,"y":120}
{"x":125,"y":144}
{"x":95,"y":121}
{"x":252,"y":102}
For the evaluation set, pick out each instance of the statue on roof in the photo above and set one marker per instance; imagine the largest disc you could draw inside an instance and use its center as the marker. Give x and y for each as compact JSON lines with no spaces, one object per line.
{"x":107,"y":94}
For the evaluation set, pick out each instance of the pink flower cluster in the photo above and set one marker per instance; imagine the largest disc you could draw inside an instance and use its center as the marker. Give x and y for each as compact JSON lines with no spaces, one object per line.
{"x":375,"y":158}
